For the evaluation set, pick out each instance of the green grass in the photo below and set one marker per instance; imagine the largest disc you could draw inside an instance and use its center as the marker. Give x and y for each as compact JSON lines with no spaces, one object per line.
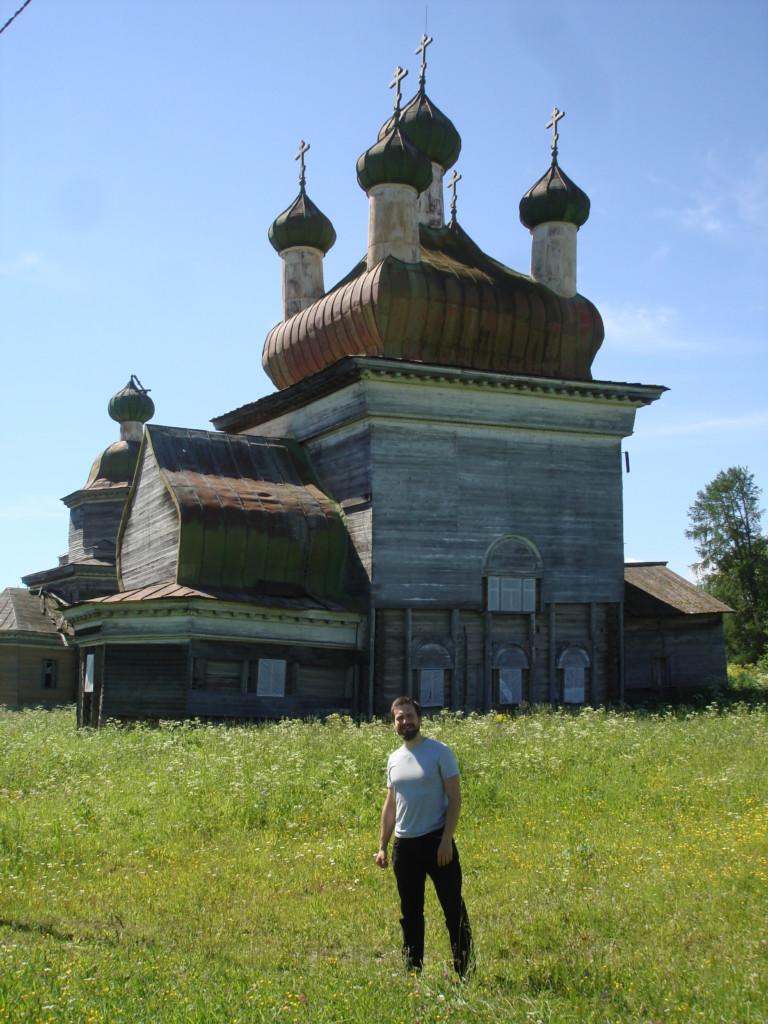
{"x":616,"y":870}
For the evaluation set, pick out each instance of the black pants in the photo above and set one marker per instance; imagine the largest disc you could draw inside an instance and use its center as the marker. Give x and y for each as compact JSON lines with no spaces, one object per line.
{"x":412,"y":861}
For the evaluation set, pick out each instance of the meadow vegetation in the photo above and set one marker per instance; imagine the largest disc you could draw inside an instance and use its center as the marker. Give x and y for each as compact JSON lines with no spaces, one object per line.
{"x":616,"y":870}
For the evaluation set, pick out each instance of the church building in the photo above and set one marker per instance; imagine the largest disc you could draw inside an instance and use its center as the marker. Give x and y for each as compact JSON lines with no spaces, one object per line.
{"x":430,"y":502}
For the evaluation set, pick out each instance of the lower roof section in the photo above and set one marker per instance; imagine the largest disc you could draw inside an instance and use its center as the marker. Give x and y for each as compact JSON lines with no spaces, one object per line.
{"x":652,"y":589}
{"x":170,"y":613}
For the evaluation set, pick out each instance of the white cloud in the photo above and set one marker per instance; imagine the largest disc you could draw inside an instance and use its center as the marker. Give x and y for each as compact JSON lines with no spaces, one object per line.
{"x":24,"y":261}
{"x":726,"y":202}
{"x":647,"y":329}
{"x":748,"y":422}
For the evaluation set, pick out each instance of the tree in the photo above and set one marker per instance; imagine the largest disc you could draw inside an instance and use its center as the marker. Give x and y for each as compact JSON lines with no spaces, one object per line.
{"x":725,"y":526}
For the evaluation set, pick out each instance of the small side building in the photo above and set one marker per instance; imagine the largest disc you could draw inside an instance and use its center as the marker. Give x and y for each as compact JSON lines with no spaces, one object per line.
{"x":37,"y":661}
{"x":673,"y":635}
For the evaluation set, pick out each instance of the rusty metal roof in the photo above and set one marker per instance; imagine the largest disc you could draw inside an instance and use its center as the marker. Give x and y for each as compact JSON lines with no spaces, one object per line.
{"x":457,"y":307}
{"x":169,"y":590}
{"x":653,"y":589}
{"x":252,"y":516}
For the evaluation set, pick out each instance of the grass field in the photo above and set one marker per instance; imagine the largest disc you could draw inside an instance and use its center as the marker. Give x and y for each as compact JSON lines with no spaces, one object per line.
{"x":616,"y":870}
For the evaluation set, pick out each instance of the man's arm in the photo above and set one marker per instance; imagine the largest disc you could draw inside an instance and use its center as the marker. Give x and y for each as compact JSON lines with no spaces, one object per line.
{"x":452,"y":790}
{"x":387,"y":828}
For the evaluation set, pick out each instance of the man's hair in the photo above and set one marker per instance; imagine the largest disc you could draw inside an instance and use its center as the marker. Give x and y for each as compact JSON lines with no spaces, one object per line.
{"x":398,"y":702}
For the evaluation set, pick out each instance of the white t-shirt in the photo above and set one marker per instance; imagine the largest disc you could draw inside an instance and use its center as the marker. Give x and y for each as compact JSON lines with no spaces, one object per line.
{"x":416,"y":776}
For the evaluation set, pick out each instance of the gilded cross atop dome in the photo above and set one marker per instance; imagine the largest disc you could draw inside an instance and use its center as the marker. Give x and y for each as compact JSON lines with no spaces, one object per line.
{"x":557,"y":115}
{"x":400,"y":74}
{"x":422,"y":49}
{"x":452,"y":183}
{"x":303,"y":147}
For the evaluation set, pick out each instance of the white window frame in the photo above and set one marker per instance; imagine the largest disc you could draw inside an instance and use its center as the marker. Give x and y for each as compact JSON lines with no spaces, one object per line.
{"x":270,"y":679}
{"x":512,"y":594}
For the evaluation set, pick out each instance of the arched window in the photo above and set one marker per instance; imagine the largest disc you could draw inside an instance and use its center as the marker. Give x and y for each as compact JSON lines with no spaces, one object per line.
{"x":512,"y":567}
{"x":432,"y":662}
{"x":572,"y":664}
{"x":510,"y":675}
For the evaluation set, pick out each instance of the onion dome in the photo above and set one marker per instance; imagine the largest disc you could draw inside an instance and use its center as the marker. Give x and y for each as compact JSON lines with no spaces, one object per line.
{"x":554,"y":197}
{"x":302,"y":224}
{"x":132,"y":404}
{"x":429,"y":130}
{"x":394,"y":160}
{"x":115,"y":466}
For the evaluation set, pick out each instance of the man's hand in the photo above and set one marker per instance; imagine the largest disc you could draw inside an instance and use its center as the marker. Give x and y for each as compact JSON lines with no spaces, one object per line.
{"x":444,"y":852}
{"x":381,"y":858}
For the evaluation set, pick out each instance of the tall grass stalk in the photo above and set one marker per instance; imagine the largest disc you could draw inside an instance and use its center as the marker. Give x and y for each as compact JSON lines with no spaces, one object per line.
{"x":616,"y":870}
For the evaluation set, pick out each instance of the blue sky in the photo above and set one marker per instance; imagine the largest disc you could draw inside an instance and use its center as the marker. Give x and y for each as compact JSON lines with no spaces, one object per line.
{"x":147,"y":145}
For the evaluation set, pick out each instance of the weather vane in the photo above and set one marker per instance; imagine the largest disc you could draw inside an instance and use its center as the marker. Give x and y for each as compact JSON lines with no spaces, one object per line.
{"x":395,"y":84}
{"x":303,"y":147}
{"x":556,"y":116}
{"x":422,"y":49}
{"x":452,"y":183}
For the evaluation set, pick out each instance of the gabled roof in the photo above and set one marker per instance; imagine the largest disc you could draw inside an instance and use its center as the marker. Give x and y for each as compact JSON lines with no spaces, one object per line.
{"x":252,"y":517}
{"x":652,"y":589}
{"x":22,"y":612}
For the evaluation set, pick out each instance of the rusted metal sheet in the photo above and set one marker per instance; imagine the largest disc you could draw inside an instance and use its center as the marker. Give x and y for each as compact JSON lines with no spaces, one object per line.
{"x":457,"y":307}
{"x":653,"y":589}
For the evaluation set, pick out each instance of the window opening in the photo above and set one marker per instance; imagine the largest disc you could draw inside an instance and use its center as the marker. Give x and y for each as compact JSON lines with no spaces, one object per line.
{"x":271,"y":678}
{"x":49,"y":674}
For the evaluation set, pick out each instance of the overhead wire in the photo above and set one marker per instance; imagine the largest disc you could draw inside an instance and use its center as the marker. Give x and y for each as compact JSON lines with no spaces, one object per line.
{"x":13,"y":17}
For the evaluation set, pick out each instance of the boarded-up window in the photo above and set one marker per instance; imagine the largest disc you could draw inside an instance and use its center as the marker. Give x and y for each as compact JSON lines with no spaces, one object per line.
{"x":431,"y":687}
{"x":573,"y":663}
{"x":573,"y":684}
{"x":271,"y":678}
{"x":510,"y":685}
{"x":223,"y":675}
{"x":510,"y":665}
{"x":90,"y":673}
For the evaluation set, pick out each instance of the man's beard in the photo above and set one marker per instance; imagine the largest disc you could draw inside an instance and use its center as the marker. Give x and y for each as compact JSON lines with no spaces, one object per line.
{"x":409,"y":732}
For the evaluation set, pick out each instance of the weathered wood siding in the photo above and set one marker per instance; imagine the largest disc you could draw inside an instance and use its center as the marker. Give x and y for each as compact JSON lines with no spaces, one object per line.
{"x":473,"y":637}
{"x":96,"y":522}
{"x":441,"y":497}
{"x":667,"y":656}
{"x":9,"y":674}
{"x":342,"y":464}
{"x":145,"y":681}
{"x":21,"y":675}
{"x":148,"y":544}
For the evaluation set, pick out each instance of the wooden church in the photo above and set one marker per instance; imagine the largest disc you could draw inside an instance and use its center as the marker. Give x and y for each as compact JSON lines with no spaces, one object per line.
{"x":429,"y":503}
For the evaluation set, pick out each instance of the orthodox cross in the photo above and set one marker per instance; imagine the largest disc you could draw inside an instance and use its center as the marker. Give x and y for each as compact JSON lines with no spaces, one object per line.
{"x":395,"y":84}
{"x":303,"y":147}
{"x":452,"y":183}
{"x":556,"y":116}
{"x":422,"y":49}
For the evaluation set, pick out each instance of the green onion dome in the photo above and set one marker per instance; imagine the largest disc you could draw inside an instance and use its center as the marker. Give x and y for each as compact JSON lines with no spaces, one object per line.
{"x":429,"y":130}
{"x":115,"y":465}
{"x":394,"y":160}
{"x":302,"y":224}
{"x":554,"y":197}
{"x":132,"y":404}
